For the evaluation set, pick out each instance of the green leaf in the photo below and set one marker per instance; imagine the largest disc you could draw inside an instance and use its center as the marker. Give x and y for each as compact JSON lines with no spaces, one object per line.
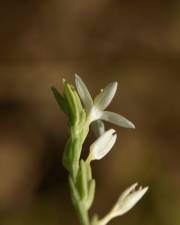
{"x":60,"y":100}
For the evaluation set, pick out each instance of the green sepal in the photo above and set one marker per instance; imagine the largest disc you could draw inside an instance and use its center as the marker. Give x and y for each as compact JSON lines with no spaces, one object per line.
{"x":91,"y":193}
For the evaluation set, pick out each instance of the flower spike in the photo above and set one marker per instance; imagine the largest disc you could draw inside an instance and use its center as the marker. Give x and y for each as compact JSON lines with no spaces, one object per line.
{"x":83,"y":111}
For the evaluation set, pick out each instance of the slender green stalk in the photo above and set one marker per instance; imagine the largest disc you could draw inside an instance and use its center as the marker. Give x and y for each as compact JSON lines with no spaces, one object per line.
{"x":78,"y":204}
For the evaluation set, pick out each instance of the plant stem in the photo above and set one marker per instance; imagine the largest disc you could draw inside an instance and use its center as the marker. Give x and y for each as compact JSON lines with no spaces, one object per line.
{"x":106,"y":219}
{"x":78,"y":203}
{"x":83,"y":215}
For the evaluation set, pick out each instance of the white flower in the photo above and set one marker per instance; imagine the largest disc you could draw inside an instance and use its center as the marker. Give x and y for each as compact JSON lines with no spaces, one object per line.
{"x":102,"y":145}
{"x":126,"y":201}
{"x":95,"y":109}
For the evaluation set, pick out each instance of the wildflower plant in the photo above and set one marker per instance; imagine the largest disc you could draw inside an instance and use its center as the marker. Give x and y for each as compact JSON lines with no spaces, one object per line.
{"x":84,"y":112}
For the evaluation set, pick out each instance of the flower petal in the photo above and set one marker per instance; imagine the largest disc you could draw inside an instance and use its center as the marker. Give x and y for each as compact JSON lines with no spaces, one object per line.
{"x":98,"y":127}
{"x":103,"y":145}
{"x":83,"y":93}
{"x":105,"y":97}
{"x":117,"y":119}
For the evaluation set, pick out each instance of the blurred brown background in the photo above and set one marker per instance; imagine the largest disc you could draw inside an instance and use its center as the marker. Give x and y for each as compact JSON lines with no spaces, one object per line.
{"x":136,"y":43}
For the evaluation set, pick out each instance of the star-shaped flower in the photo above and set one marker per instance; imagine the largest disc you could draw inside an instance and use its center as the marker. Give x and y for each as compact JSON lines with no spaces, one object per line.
{"x":95,"y":109}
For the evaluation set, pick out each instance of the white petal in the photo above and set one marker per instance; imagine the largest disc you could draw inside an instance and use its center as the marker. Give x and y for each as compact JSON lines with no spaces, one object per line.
{"x":83,"y":93}
{"x":105,"y":97}
{"x":117,"y":119}
{"x":103,"y":152}
{"x":98,"y":127}
{"x":103,"y":145}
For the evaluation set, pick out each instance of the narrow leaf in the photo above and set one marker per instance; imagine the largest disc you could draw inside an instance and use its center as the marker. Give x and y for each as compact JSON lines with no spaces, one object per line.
{"x":60,"y":100}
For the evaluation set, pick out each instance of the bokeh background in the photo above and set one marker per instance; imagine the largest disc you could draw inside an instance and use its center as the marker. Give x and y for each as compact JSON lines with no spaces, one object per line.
{"x":136,"y":43}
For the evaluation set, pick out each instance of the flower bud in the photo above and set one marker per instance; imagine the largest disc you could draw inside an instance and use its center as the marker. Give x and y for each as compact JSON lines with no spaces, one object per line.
{"x":128,"y":199}
{"x":103,"y":145}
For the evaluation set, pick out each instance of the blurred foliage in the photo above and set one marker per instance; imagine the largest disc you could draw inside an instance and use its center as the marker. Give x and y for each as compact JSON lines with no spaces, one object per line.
{"x":136,"y":43}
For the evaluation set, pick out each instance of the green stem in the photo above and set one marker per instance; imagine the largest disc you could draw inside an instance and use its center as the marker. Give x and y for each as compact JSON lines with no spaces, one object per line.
{"x":106,"y":219}
{"x":83,"y":215}
{"x":78,"y":203}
